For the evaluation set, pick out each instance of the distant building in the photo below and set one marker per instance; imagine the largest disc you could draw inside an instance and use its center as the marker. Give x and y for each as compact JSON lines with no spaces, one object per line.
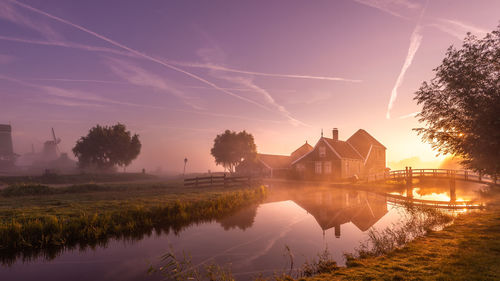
{"x":272,"y":166}
{"x":329,"y":159}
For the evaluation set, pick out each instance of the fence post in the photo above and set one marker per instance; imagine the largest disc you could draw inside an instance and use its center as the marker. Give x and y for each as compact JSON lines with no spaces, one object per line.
{"x":479,"y":176}
{"x":465,"y":174}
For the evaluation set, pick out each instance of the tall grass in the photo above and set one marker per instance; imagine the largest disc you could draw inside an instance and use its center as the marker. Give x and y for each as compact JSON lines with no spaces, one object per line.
{"x":25,"y":236}
{"x":180,"y":268}
{"x":416,"y":223}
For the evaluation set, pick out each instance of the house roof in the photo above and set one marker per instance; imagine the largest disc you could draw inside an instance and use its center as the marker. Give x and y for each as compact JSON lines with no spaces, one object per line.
{"x":274,"y":161}
{"x":299,"y":152}
{"x":343,"y":149}
{"x":362,"y":141}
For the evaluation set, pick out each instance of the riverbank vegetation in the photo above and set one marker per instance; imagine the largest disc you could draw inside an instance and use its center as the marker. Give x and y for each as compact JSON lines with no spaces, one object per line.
{"x":468,"y":249}
{"x":37,"y":219}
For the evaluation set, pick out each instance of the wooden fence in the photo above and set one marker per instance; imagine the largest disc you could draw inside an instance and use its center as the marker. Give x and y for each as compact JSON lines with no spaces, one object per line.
{"x":217,"y":181}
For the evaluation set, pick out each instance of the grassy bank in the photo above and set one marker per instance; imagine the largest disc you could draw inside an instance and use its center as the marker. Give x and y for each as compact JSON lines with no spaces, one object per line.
{"x":77,"y":178}
{"x":469,"y":249}
{"x":37,"y":217}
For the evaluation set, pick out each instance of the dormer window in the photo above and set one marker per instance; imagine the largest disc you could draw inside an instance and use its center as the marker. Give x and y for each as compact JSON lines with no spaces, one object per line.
{"x":322,"y":151}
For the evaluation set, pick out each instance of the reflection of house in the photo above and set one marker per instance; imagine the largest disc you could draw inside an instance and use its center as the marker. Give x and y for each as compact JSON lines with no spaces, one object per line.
{"x":333,"y":207}
{"x":330,"y":158}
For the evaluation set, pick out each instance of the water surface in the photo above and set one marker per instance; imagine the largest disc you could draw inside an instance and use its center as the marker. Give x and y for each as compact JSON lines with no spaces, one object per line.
{"x":307,"y":220}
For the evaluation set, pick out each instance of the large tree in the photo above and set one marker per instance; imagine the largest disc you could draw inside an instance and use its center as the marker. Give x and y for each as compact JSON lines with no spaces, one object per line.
{"x":231,"y":148}
{"x":105,"y":147}
{"x":461,"y":104}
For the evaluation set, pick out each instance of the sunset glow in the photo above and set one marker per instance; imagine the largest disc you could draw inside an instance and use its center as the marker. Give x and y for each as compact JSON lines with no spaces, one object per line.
{"x":180,"y":72}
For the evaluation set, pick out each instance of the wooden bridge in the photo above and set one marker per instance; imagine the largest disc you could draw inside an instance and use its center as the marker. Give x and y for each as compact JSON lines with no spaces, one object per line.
{"x":409,"y":174}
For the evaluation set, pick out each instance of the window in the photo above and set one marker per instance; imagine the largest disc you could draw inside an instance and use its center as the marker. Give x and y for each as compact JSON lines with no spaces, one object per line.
{"x":317,"y":167}
{"x":322,"y":151}
{"x":328,"y":167}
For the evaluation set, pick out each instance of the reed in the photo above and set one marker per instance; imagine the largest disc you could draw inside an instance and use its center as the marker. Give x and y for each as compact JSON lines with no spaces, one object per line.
{"x":131,"y":220}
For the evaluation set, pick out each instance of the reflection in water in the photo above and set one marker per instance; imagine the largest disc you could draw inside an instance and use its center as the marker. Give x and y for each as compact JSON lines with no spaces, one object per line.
{"x":333,"y":209}
{"x":443,"y":190}
{"x":306,"y":219}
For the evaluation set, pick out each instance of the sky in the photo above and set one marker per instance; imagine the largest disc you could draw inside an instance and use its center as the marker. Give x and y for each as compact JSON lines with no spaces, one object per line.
{"x":179,"y":72}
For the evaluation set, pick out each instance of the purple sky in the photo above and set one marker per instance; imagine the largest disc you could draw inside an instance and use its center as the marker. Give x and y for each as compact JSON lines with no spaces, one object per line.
{"x":179,"y":72}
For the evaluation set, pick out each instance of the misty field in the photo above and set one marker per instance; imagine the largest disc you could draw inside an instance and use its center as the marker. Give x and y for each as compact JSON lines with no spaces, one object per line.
{"x":39,"y":217}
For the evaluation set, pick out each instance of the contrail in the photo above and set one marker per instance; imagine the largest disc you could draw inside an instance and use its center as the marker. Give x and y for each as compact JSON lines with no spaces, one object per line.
{"x":58,"y":92}
{"x":77,"y":80}
{"x":226,"y":69}
{"x":409,"y":115}
{"x":415,"y":40}
{"x":186,"y":64}
{"x":138,"y":53}
{"x":67,"y":45}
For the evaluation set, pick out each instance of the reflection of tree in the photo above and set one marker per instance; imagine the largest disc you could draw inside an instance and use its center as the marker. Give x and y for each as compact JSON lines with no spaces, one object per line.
{"x":242,"y":219}
{"x":169,"y":222}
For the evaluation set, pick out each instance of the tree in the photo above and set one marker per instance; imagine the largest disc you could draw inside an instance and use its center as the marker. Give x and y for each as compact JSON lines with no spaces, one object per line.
{"x":106,"y":147}
{"x":461,"y":104}
{"x":231,"y":148}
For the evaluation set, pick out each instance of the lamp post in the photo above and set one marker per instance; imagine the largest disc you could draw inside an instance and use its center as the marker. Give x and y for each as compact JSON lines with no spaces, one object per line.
{"x":185,"y":162}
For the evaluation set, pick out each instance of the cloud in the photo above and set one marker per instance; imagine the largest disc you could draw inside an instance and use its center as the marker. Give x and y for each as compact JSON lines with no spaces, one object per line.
{"x":141,"y":77}
{"x":296,"y":76}
{"x":458,"y":29}
{"x":67,"y":45}
{"x":79,"y":95}
{"x":5,"y":59}
{"x":8,"y":12}
{"x":77,"y":80}
{"x":393,"y":7}
{"x":139,"y":54}
{"x":247,"y":82}
{"x":415,"y":40}
{"x":69,"y":103}
{"x":216,"y":53}
{"x":310,"y":98}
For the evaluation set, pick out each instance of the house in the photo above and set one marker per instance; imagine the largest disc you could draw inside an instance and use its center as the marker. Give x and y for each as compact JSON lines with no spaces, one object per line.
{"x":329,"y":159}
{"x":270,"y":165}
{"x":332,"y":158}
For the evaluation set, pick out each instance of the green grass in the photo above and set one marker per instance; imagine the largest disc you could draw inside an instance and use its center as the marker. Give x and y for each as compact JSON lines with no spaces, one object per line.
{"x":77,"y":178}
{"x":468,"y":249}
{"x":40,"y":220}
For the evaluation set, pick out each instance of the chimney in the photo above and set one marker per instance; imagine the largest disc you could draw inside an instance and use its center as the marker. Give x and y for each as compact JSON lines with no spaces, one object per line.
{"x":335,"y":134}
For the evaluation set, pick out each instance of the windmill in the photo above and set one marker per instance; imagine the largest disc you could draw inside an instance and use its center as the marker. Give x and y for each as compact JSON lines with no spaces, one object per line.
{"x":50,"y":148}
{"x":55,"y":140}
